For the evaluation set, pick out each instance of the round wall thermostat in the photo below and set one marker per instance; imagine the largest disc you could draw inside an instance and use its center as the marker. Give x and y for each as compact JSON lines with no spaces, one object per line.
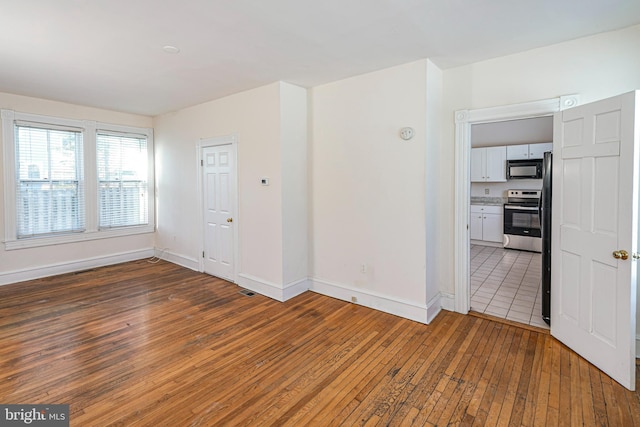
{"x":406,"y":133}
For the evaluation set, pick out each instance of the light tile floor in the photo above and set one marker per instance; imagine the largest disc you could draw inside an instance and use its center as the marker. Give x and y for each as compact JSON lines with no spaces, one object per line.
{"x":507,"y":283}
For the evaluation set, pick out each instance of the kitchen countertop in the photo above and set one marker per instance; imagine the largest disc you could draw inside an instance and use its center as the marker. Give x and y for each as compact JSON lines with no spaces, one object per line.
{"x":491,"y":201}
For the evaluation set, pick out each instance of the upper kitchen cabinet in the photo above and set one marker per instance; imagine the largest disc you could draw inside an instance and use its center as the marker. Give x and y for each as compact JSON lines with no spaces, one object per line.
{"x":536,"y":151}
{"x":488,"y":164}
{"x":528,"y":151}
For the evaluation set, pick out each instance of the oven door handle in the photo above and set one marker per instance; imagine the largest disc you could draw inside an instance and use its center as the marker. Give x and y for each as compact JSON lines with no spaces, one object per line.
{"x":521,"y":208}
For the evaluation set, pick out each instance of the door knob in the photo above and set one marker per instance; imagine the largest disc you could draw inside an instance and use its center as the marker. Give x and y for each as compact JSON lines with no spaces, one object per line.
{"x":231,"y":220}
{"x":621,"y":254}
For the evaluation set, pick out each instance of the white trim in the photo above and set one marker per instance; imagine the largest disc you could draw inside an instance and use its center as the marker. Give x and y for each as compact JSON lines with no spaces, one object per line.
{"x":296,"y":288}
{"x":407,"y":309}
{"x":434,"y":306}
{"x":212,"y":142}
{"x":181,"y":260}
{"x":261,"y":286}
{"x":462,"y":194}
{"x":524,"y":110}
{"x":69,"y":267}
{"x":637,"y":346}
{"x":76,"y":237}
{"x":8,"y":152}
{"x":463,"y":121}
{"x":273,"y":290}
{"x":447,"y":301}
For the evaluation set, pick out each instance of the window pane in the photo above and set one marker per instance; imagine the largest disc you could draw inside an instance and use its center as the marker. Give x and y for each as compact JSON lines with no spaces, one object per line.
{"x":47,"y":207}
{"x":122,"y":180}
{"x":48,"y":194}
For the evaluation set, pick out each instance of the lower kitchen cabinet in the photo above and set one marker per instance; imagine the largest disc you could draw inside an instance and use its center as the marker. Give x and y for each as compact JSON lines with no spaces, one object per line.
{"x":486,"y":223}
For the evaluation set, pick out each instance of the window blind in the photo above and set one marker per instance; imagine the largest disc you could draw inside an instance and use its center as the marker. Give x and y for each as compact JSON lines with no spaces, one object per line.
{"x":49,"y":193}
{"x":122,"y":180}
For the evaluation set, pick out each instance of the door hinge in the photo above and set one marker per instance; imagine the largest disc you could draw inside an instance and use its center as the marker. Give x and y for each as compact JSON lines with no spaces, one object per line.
{"x":201,"y":162}
{"x":202,"y":254}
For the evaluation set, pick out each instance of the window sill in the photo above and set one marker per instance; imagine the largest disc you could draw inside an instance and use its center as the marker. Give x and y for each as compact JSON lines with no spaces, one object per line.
{"x":76,"y":237}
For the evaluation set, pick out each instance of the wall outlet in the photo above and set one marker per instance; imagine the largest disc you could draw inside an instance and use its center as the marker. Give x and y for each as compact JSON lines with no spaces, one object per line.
{"x":486,"y":191}
{"x":363,"y":268}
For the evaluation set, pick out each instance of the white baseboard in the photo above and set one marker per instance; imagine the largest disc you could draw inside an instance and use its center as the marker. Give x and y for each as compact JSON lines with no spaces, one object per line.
{"x":261,"y":286}
{"x":273,"y":290}
{"x":69,"y":267}
{"x":637,"y":346}
{"x":181,"y":260}
{"x":434,"y":305}
{"x":296,"y":288}
{"x":485,"y":243}
{"x":407,"y":309}
{"x":448,"y":301}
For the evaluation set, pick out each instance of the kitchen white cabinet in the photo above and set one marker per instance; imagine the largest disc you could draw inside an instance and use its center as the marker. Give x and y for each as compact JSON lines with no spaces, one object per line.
{"x":486,"y":223}
{"x":518,"y":152}
{"x":536,"y":151}
{"x":492,"y":227}
{"x":528,"y":151}
{"x":478,"y":165}
{"x":475,"y":223}
{"x":488,"y":164}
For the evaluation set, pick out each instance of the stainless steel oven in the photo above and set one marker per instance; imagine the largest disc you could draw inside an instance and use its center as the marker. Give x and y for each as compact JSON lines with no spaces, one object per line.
{"x":522,"y":221}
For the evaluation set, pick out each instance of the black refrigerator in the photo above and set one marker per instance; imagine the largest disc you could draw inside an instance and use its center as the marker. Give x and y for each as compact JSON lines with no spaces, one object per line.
{"x":545,"y":225}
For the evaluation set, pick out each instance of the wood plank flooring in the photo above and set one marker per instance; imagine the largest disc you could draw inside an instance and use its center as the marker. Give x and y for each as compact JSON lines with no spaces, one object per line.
{"x":142,"y":344}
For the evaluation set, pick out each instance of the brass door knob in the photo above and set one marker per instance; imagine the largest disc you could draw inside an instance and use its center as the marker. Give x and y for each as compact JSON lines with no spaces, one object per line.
{"x":621,"y":254}
{"x":229,"y":219}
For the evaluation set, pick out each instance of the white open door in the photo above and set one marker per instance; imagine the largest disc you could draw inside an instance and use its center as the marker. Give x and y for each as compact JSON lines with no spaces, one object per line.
{"x":595,"y":233}
{"x":219,"y":194}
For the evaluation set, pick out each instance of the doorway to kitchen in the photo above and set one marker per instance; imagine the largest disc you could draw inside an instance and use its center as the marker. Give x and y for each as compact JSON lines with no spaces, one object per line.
{"x":505,"y":268}
{"x":464,"y":120}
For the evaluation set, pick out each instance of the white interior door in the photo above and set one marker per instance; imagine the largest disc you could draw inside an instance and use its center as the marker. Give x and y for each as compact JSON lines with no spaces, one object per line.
{"x":595,"y":217}
{"x":219,"y":193}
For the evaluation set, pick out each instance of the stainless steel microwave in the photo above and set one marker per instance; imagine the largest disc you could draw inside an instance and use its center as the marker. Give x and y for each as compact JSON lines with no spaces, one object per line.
{"x":524,"y":169}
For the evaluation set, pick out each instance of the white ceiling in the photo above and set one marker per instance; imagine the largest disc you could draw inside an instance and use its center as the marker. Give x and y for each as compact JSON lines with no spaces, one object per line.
{"x":108,"y":53}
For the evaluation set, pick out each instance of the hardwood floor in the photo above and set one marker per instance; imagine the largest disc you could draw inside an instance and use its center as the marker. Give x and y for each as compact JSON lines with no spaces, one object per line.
{"x":156,"y":344}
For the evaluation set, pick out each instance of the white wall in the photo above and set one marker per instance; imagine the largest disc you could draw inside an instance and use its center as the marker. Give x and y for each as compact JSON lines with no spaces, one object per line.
{"x":270,"y":126}
{"x":434,"y":189}
{"x":253,"y":116}
{"x":596,"y":67}
{"x":25,"y":264}
{"x":368,"y":188}
{"x":295,"y":188}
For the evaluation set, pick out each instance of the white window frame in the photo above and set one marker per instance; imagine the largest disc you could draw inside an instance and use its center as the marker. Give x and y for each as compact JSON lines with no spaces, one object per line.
{"x":92,"y":231}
